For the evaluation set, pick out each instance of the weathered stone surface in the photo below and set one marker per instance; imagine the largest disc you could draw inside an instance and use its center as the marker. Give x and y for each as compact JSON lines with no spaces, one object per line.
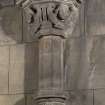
{"x":12,"y":100}
{"x":50,"y":18}
{"x":51,"y":62}
{"x":72,"y":62}
{"x":4,"y":69}
{"x":23,"y":68}
{"x":10,"y":25}
{"x":85,"y":63}
{"x":31,"y":67}
{"x":79,"y":27}
{"x":50,"y":73}
{"x":99,"y":97}
{"x":46,"y":17}
{"x":57,"y":23}
{"x":82,"y":97}
{"x":30,"y":100}
{"x":16,"y":74}
{"x":6,"y":3}
{"x":95,"y":17}
{"x":96,"y":60}
{"x":51,"y":101}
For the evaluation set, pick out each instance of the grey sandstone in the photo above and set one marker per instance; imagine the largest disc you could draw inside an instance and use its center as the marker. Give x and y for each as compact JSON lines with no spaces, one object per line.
{"x":51,"y":22}
{"x":47,"y":57}
{"x":4,"y":69}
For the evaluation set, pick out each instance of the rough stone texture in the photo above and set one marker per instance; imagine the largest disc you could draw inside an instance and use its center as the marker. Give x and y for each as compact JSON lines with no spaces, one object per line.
{"x":30,"y":100}
{"x":96,"y":60}
{"x":51,"y":73}
{"x":84,"y":65}
{"x":51,"y":63}
{"x":4,"y":3}
{"x":95,"y":17}
{"x":84,"y":57}
{"x":4,"y":69}
{"x":50,"y":18}
{"x":81,"y":97}
{"x":79,"y":27}
{"x":31,"y":67}
{"x":16,"y":74}
{"x":10,"y":25}
{"x":72,"y":63}
{"x":12,"y":100}
{"x":46,"y":26}
{"x":99,"y":97}
{"x":23,"y":68}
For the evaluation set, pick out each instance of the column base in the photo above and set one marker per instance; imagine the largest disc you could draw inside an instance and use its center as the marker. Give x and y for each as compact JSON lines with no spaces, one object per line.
{"x":50,"y":97}
{"x":50,"y":101}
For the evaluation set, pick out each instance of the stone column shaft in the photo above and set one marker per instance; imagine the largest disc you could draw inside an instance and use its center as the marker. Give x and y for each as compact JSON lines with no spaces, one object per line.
{"x":51,"y":70}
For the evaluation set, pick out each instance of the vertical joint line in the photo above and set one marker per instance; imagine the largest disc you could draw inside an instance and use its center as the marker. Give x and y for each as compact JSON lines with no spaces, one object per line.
{"x":9,"y":69}
{"x":22,"y":24}
{"x":93,"y":97}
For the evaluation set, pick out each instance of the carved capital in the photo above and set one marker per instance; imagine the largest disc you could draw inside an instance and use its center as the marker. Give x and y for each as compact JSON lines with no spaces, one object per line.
{"x":50,"y":17}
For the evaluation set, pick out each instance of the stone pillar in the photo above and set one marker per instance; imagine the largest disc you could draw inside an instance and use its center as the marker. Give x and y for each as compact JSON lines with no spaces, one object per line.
{"x":51,"y":71}
{"x":51,"y":22}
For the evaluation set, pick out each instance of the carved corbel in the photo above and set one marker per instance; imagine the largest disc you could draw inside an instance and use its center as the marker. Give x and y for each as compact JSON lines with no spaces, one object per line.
{"x":46,"y":17}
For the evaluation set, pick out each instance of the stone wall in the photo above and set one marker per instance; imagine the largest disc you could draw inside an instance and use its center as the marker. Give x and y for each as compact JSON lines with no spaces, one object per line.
{"x":84,"y":58}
